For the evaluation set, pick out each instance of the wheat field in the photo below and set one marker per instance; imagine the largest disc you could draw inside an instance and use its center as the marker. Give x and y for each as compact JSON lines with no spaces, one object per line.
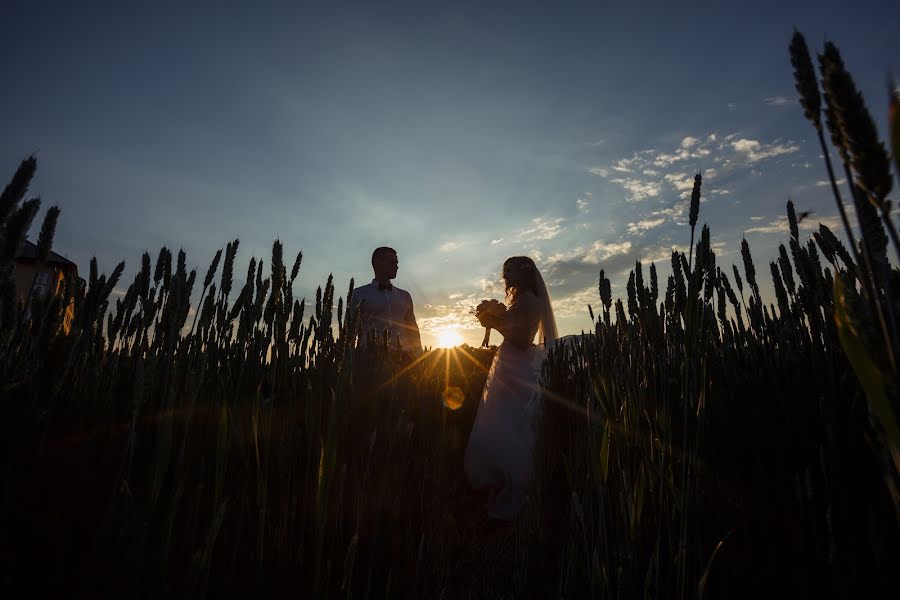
{"x":700,"y":441}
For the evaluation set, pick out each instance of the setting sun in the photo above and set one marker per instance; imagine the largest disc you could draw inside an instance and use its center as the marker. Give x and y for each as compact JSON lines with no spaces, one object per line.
{"x":447,"y":338}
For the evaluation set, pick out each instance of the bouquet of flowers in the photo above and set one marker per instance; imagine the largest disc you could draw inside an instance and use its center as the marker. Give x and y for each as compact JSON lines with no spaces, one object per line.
{"x":485,"y":311}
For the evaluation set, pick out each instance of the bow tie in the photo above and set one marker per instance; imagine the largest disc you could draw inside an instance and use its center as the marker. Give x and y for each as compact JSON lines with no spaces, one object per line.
{"x":385,"y":286}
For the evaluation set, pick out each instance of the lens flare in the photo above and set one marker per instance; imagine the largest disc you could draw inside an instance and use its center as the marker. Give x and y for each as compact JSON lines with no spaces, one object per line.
{"x":453,"y":398}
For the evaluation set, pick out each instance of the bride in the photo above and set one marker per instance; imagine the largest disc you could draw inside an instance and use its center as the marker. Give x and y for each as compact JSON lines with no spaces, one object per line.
{"x":500,"y":454}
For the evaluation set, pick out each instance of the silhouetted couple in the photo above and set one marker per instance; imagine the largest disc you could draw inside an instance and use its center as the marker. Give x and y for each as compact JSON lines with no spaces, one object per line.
{"x":500,"y":453}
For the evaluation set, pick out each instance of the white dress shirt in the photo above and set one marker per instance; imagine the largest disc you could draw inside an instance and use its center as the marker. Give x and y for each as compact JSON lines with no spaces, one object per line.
{"x":387,"y":309}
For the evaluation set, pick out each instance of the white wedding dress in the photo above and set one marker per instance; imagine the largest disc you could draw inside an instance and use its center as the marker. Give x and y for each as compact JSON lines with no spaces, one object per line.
{"x":500,"y":453}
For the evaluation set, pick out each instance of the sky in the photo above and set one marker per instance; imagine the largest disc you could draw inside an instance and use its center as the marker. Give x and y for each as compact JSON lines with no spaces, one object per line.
{"x":457,"y":133}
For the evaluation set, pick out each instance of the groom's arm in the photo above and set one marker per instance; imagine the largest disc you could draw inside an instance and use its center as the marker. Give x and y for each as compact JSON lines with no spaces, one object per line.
{"x":412,"y":328}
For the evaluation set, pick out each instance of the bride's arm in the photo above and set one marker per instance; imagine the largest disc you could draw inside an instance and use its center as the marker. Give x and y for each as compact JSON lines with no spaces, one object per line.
{"x":513,"y":324}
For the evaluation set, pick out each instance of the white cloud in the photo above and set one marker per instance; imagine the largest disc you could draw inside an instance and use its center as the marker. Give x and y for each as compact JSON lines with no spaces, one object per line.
{"x":623,"y":165}
{"x":497,"y":241}
{"x":779,"y":101}
{"x":575,"y":304}
{"x":680,"y":181}
{"x":592,"y":254}
{"x":660,"y":254}
{"x":582,"y":203}
{"x":448,"y":246}
{"x":757,"y":218}
{"x":676,"y":210}
{"x":682,"y":154}
{"x":776,"y":226}
{"x":599,"y":171}
{"x":642,"y":226}
{"x":491,"y":286}
{"x":781,"y":225}
{"x":601,"y":250}
{"x":638,"y":189}
{"x":669,"y":175}
{"x":827,"y":182}
{"x":754,"y":151}
{"x":541,"y":229}
{"x":455,"y":295}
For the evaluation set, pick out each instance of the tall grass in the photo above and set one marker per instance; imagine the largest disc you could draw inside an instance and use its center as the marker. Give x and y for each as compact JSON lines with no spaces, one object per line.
{"x":700,"y":441}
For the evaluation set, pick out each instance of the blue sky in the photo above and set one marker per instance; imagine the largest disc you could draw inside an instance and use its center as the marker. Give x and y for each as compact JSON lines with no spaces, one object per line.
{"x":458,"y":133}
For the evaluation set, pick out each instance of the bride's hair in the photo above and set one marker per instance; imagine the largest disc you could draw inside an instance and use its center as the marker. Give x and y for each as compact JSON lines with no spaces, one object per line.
{"x":532,"y":281}
{"x":528,"y":281}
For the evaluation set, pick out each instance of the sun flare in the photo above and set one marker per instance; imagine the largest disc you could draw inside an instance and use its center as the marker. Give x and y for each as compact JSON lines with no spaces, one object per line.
{"x":447,"y":338}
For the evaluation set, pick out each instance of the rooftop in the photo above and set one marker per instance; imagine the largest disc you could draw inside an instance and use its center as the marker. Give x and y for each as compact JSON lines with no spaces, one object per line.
{"x":29,"y":252}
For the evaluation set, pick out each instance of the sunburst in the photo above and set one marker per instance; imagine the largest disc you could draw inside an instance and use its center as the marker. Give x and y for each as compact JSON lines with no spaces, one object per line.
{"x":449,"y":337}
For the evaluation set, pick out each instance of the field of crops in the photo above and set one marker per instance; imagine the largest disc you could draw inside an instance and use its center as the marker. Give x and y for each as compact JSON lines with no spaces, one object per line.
{"x":700,"y":441}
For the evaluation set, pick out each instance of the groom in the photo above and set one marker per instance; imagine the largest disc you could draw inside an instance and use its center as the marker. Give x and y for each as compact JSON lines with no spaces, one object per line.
{"x":385,"y":307}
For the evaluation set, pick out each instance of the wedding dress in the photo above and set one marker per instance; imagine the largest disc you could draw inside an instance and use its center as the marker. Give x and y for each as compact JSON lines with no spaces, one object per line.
{"x":500,"y":453}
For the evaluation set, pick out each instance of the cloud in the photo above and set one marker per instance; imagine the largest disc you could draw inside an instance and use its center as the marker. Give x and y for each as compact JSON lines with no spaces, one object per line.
{"x":779,"y":101}
{"x":776,"y":226}
{"x":642,"y":226}
{"x":492,"y":286}
{"x":583,"y":204}
{"x":601,"y":250}
{"x":781,"y":225}
{"x":666,"y":176}
{"x":683,"y":153}
{"x":680,"y":181}
{"x":448,"y":246}
{"x":674,"y":211}
{"x":456,"y":314}
{"x":575,"y":273}
{"x":497,"y":241}
{"x":593,"y":254}
{"x":541,"y":229}
{"x":753,"y":151}
{"x":757,"y":218}
{"x":623,"y":165}
{"x":638,"y":189}
{"x":575,"y":303}
{"x":827,"y":182}
{"x":599,"y":171}
{"x":659,"y":254}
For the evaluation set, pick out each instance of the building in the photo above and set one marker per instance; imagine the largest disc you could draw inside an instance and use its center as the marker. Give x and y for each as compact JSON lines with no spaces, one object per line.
{"x":35,"y":278}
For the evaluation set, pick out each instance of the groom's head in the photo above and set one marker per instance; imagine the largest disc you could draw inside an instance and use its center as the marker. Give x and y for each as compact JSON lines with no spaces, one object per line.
{"x":384,"y":263}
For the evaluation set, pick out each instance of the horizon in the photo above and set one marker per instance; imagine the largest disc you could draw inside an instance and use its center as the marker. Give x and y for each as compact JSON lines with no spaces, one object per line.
{"x":459,"y":137}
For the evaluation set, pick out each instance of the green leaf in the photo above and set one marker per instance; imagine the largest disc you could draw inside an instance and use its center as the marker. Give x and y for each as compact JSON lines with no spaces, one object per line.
{"x":701,"y":587}
{"x":866,"y":370}
{"x":604,"y":454}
